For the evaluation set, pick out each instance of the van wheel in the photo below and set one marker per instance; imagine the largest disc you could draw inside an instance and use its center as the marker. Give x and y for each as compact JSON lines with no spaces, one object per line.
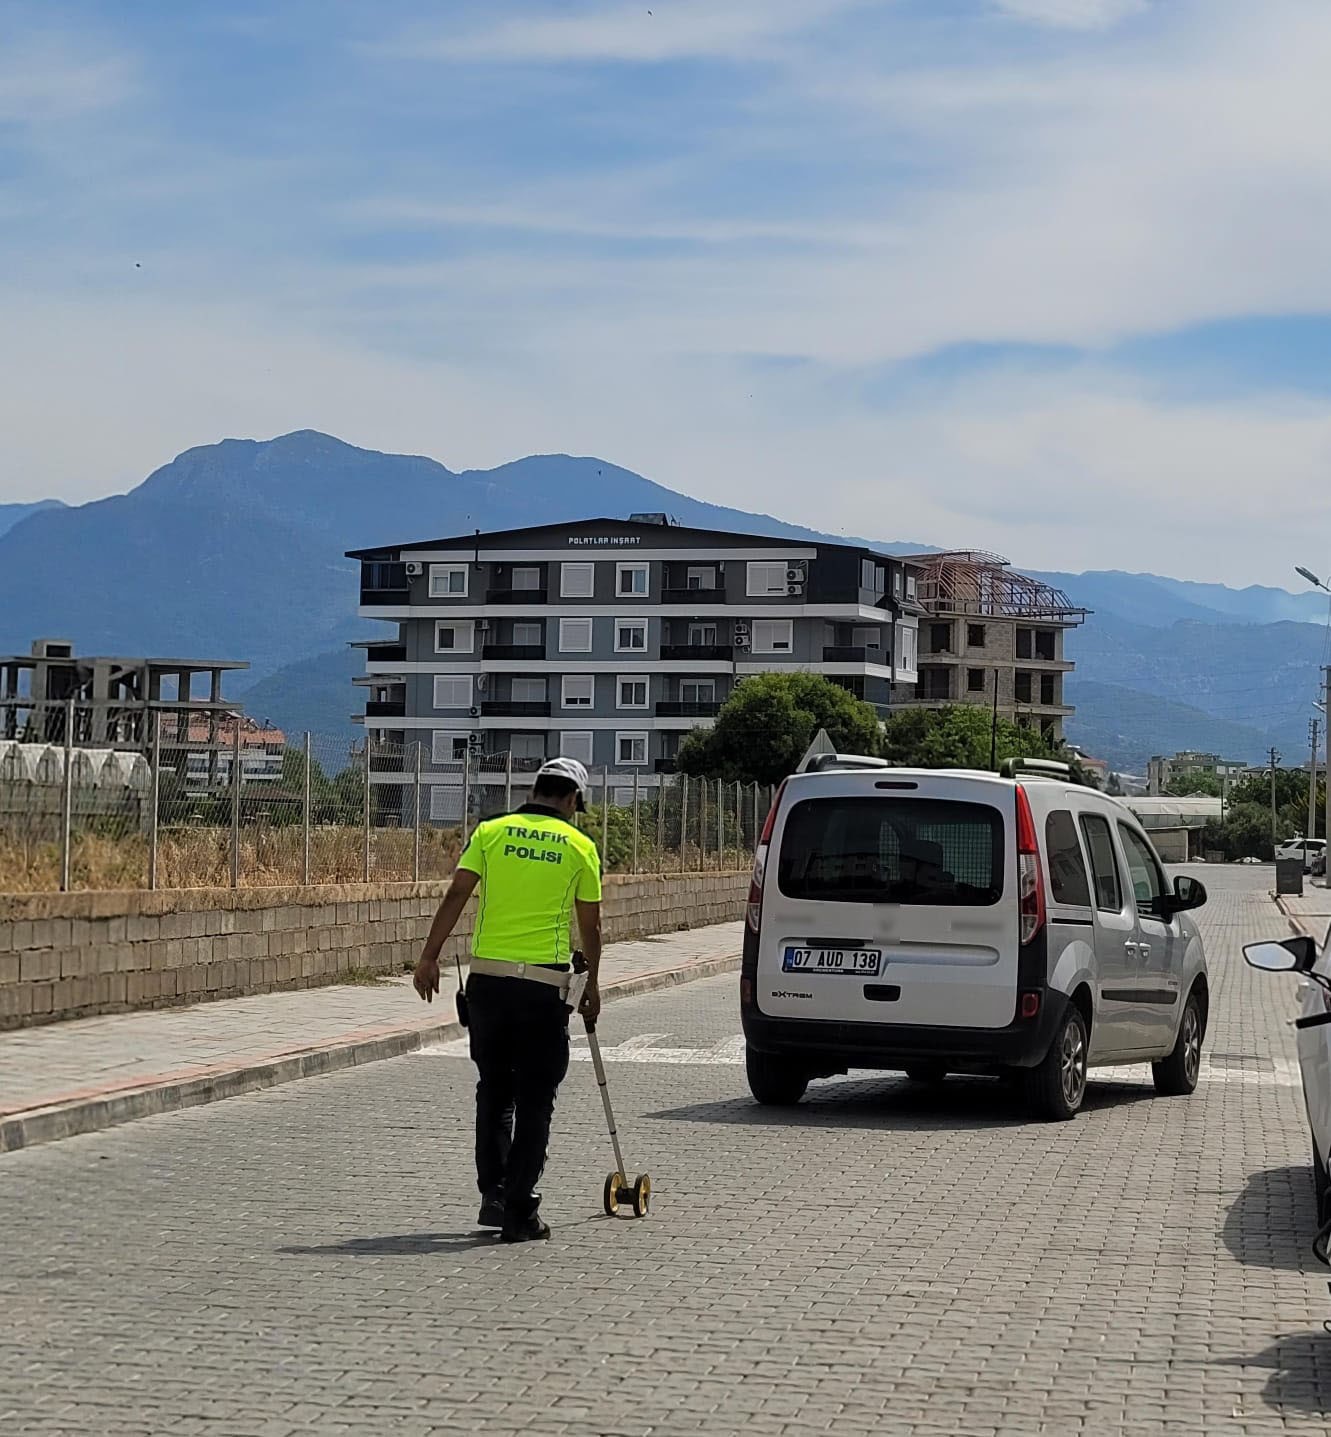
{"x":774,"y":1082}
{"x":1176,"y":1076}
{"x":1056,"y":1088}
{"x":926,"y":1072}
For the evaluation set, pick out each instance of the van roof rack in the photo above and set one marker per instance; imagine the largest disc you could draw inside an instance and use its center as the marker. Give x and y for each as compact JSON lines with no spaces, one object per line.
{"x":1035,"y":768}
{"x":826,"y":762}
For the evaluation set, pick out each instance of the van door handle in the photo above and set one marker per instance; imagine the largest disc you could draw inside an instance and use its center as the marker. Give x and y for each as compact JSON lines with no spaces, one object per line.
{"x":1143,"y":950}
{"x":1132,"y":949}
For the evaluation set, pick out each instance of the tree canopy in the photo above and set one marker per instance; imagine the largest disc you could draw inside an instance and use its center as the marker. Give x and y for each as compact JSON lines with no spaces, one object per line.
{"x":960,"y":736}
{"x":1193,"y":785}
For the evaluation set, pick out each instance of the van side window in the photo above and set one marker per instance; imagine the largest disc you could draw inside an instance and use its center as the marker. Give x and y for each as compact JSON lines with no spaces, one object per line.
{"x":1104,"y":865}
{"x":1067,"y":868}
{"x":1148,"y":882}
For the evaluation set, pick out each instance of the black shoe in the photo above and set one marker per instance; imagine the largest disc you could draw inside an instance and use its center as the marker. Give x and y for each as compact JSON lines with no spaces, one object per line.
{"x":492,"y":1211}
{"x":530,"y":1229}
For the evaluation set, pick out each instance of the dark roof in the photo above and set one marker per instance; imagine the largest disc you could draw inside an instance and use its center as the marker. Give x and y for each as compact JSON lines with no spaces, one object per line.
{"x":491,"y":536}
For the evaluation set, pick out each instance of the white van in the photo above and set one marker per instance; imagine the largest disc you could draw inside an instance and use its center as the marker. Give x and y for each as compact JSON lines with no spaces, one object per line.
{"x":936,"y":921}
{"x":1308,"y":849}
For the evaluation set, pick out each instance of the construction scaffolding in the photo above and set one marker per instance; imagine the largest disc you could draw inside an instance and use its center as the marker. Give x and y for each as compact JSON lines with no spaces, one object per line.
{"x":974,"y":584}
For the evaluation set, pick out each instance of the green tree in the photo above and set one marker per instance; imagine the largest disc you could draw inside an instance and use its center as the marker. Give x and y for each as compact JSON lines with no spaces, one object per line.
{"x":1291,"y":787}
{"x":1193,"y":785}
{"x":1245,"y":832}
{"x":765,"y":727}
{"x":961,"y":736}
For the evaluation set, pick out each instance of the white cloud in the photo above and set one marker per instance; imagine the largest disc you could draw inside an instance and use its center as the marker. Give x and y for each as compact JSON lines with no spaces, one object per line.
{"x":1074,"y":14}
{"x":46,"y":77}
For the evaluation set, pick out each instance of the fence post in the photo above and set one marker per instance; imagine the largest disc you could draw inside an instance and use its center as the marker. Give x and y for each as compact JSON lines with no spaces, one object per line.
{"x":156,"y":799}
{"x":466,"y":796}
{"x":720,"y":826}
{"x":605,"y":817}
{"x":416,"y":822}
{"x":305,"y":816}
{"x":683,"y":822}
{"x":235,"y":800}
{"x":508,"y":781}
{"x":635,"y":821}
{"x":702,"y":825}
{"x":365,"y":816}
{"x":739,"y":826}
{"x":67,"y":797}
{"x":660,"y":821}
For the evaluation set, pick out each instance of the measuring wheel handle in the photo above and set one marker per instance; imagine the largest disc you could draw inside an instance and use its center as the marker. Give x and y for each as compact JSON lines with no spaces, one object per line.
{"x":614,"y":1186}
{"x":642,"y":1194}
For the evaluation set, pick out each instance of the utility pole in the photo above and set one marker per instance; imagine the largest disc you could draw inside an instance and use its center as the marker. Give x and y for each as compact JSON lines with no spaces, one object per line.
{"x":1326,"y":674}
{"x":1311,"y":831}
{"x":1275,"y":828}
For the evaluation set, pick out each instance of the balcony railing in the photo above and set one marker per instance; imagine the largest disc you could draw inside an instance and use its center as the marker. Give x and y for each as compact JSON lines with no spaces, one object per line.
{"x":693,"y":596}
{"x":385,"y":596}
{"x":514,"y":708}
{"x":703,"y":653}
{"x":515,"y":596}
{"x":513,"y":651}
{"x":386,"y":708}
{"x":386,"y":653}
{"x":673,"y":709}
{"x":853,"y":654}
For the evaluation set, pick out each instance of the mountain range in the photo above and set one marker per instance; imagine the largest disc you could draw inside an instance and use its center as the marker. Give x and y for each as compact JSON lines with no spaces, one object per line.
{"x":235,"y":550}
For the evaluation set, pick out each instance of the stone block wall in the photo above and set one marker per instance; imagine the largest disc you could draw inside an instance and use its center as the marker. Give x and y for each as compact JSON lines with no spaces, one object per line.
{"x":70,"y":955}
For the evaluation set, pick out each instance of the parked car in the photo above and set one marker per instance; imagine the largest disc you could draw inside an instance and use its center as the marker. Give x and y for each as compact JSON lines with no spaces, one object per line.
{"x":940,"y":921}
{"x":1308,"y":849}
{"x":1299,"y":955}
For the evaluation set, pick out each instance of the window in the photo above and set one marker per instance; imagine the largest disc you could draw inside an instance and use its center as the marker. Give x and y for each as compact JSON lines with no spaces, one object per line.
{"x":633,"y":693}
{"x":454,"y":636}
{"x":697,"y":691}
{"x":527,"y":746}
{"x":527,"y":577}
{"x":766,"y":578}
{"x":908,"y":648}
{"x":576,"y":745}
{"x":1067,"y":868}
{"x":577,"y":581}
{"x":452,"y":691}
{"x":975,"y":636}
{"x":975,"y":681}
{"x":773,"y":636}
{"x":528,"y":691}
{"x":1104,"y":865}
{"x":1025,"y":644}
{"x":631,"y":580}
{"x":621,"y":797}
{"x":1047,"y":688}
{"x":577,"y":692}
{"x":700,"y":578}
{"x":528,"y":635}
{"x":898,"y":850}
{"x":630,"y":748}
{"x":896,"y":582}
{"x":1022,"y":688}
{"x":448,"y":581}
{"x":912,"y":585}
{"x":940,"y":638}
{"x":1044,"y":644}
{"x":868,"y":637}
{"x":575,"y":636}
{"x":1148,"y":881}
{"x":447,"y":746}
{"x":446,"y":803}
{"x":630,"y":635}
{"x":702,"y":634}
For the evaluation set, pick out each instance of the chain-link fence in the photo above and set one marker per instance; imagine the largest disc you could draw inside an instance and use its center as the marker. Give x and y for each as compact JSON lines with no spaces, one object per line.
{"x":180,"y":800}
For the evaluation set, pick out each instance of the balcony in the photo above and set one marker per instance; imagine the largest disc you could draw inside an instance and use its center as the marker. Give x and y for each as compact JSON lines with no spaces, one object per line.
{"x":702,"y":653}
{"x":513,"y":651}
{"x":848,"y":654}
{"x":673,"y":709}
{"x":370,"y":597}
{"x":386,"y":708}
{"x":515,"y":596}
{"x":512,"y":708}
{"x":385,"y":653}
{"x":693,"y":596}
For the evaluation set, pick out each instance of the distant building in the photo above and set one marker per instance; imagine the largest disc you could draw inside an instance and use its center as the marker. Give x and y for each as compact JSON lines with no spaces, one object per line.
{"x":1162,"y":771}
{"x":991,"y":632}
{"x":262,"y":747}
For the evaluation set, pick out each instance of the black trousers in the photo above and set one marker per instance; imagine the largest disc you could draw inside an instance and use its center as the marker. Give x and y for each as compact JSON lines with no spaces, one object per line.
{"x":519,"y":1043}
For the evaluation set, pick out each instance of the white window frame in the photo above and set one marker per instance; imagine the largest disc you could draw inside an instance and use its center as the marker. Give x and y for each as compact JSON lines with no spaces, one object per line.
{"x":706,"y":627}
{"x":621,"y":796}
{"x":582,"y":751}
{"x":525,"y":588}
{"x":540,"y":679}
{"x":445,"y":572}
{"x":438,"y":805}
{"x":541,"y":742}
{"x":567,"y":626}
{"x":464,"y":628}
{"x":454,"y":678}
{"x":633,"y":735}
{"x":704,"y":573}
{"x":759,"y":585}
{"x":631,"y":648}
{"x":577,"y":703}
{"x":908,"y":649}
{"x":572,"y":591}
{"x":632,"y":679}
{"x":774,"y":629}
{"x":708,"y":684}
{"x":449,"y":737}
{"x":528,"y":624}
{"x":635,"y":593}
{"x":912,"y":586}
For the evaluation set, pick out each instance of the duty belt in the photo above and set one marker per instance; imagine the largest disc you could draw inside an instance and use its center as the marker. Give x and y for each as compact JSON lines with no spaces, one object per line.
{"x":534,"y":972}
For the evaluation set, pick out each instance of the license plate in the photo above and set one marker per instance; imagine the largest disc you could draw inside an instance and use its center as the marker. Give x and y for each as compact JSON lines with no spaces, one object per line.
{"x":854,"y":962}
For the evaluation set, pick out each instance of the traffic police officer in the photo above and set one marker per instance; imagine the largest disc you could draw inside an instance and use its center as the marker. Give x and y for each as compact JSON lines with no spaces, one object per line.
{"x":534,"y":868}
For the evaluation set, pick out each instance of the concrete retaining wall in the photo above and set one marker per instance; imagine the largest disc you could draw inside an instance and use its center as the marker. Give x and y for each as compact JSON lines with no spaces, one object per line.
{"x":71,"y":955}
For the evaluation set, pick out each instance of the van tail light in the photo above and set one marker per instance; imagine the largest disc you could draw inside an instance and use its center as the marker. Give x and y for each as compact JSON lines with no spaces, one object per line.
{"x":753,"y":909}
{"x":1029,"y":886}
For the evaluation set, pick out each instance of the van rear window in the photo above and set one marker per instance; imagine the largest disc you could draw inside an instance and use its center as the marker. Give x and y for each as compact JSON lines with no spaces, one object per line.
{"x":892,"y":850}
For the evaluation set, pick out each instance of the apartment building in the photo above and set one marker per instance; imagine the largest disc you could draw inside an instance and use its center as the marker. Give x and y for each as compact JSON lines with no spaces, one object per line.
{"x":989,"y":632}
{"x":607,"y":640}
{"x":1163,"y":769}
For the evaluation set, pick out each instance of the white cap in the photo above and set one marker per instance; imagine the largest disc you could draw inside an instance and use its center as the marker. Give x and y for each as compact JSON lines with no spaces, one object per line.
{"x":568,"y":768}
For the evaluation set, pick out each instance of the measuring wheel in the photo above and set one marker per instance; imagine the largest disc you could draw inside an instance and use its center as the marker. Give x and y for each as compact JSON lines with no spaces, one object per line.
{"x":642,"y":1194}
{"x":614,"y":1190}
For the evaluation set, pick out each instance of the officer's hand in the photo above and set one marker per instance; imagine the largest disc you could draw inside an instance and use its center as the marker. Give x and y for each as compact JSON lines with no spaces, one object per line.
{"x":590,"y":1007}
{"x":426,"y":978}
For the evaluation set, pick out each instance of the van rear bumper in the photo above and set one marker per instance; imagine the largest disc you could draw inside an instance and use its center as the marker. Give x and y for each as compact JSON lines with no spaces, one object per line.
{"x":833,"y":1047}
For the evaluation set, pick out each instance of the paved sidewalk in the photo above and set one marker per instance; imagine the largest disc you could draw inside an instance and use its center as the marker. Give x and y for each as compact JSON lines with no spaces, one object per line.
{"x":92,"y":1073}
{"x":1310,"y":913}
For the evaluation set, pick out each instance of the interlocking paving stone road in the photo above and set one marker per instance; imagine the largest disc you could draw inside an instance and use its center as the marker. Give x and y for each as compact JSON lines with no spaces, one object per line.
{"x":882,"y":1259}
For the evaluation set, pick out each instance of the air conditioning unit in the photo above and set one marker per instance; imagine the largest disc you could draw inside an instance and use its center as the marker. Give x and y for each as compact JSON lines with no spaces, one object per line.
{"x":794,"y":588}
{"x":475,"y":710}
{"x":741,"y":641}
{"x":795,"y":574}
{"x":414,"y":569}
{"x":741,"y":626}
{"x":482,"y":682}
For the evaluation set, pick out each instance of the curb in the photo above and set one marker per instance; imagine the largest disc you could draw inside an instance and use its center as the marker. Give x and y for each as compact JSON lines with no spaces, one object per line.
{"x":91,"y":1113}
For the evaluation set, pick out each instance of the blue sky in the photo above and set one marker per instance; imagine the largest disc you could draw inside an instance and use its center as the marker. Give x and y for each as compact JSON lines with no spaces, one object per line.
{"x":1042,"y":276}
